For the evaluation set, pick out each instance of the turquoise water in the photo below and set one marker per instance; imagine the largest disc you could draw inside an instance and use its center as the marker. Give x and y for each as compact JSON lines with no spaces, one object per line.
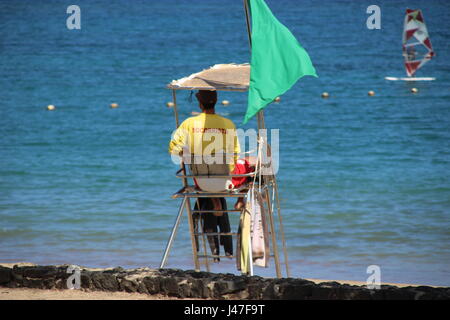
{"x":363,"y":180}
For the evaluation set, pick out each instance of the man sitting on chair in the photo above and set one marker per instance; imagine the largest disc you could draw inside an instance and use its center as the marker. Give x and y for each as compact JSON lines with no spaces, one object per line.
{"x":210,"y":134}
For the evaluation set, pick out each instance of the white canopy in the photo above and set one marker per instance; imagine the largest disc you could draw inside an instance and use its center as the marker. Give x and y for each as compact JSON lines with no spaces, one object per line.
{"x":225,"y":77}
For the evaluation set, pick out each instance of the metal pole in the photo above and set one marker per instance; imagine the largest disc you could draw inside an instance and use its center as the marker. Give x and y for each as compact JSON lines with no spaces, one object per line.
{"x":202,"y":225}
{"x":275,"y":192}
{"x":192,"y":231}
{"x":173,"y":234}
{"x":185,"y":184}
{"x":247,"y":20}
{"x":262,"y":125}
{"x":274,"y":239}
{"x":275,"y":186}
{"x":175,"y":110}
{"x":263,"y":122}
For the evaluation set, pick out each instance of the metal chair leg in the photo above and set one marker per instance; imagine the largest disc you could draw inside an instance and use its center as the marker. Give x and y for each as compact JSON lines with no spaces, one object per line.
{"x":283,"y":239}
{"x":273,"y":234}
{"x":192,"y":232}
{"x":172,"y":235}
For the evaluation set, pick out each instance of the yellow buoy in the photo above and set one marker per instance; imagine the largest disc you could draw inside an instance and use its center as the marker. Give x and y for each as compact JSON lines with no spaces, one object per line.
{"x":371,"y":93}
{"x":170,"y":104}
{"x":225,"y":102}
{"x":114,"y":105}
{"x":277,"y":99}
{"x":50,"y":107}
{"x":325,"y":95}
{"x":414,"y":90}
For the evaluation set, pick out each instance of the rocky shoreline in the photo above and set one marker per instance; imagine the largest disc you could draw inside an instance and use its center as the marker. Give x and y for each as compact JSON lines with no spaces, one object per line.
{"x":204,"y":285}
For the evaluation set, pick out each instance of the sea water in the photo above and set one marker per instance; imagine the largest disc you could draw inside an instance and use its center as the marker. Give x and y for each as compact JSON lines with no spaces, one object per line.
{"x":363,"y":180}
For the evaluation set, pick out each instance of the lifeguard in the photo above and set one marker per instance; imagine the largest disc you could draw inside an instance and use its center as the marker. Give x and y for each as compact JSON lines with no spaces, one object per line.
{"x":207,"y":134}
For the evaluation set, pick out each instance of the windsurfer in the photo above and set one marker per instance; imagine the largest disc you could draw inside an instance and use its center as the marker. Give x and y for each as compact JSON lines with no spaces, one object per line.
{"x":411,"y":52}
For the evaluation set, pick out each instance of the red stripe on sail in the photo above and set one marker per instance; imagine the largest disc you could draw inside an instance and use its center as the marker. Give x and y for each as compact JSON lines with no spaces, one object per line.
{"x":411,"y":67}
{"x":419,"y":17}
{"x":410,"y":33}
{"x":408,"y":11}
{"x":427,"y":43}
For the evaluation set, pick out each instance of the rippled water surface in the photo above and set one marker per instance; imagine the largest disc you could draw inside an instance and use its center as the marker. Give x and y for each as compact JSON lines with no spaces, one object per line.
{"x":363,"y":180}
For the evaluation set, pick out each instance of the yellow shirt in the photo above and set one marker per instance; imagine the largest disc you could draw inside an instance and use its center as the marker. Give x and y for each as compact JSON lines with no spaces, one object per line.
{"x":206,"y":134}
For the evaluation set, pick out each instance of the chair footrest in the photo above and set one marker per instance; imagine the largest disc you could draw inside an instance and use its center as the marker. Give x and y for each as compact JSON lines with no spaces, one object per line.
{"x":192,"y":192}
{"x":216,"y":233}
{"x":213,"y":211}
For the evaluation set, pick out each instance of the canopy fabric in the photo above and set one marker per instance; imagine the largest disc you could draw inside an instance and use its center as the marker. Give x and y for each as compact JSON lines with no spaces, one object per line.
{"x":226,"y":77}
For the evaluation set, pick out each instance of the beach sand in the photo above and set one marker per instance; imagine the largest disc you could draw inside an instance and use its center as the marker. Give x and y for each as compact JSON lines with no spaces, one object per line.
{"x":40,"y":294}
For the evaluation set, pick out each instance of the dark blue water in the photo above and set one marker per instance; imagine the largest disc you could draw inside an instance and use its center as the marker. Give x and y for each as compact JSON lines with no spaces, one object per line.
{"x":363,"y":180}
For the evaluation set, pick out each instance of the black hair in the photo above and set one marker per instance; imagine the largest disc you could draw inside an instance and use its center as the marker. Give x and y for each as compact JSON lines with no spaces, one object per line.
{"x":207,"y":98}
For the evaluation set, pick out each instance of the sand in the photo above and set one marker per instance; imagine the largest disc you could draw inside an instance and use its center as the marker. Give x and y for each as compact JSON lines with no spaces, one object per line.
{"x":39,"y":294}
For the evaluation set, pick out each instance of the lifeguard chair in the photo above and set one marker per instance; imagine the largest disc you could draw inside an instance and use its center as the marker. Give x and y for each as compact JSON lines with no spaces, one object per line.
{"x":261,"y":192}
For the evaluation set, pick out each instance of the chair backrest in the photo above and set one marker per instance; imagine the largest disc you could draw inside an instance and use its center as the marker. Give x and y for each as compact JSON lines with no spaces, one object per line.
{"x":206,"y":167}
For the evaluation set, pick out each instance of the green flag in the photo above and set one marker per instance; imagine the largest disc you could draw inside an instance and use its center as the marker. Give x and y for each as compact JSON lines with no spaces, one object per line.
{"x":277,"y":61}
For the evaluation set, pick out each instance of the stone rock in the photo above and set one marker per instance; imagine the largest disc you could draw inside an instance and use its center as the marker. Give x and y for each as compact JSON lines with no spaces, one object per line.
{"x":191,"y":284}
{"x":169,"y":286}
{"x":104,"y":281}
{"x":152,"y":284}
{"x":5,"y":275}
{"x":115,"y":270}
{"x":142,"y":288}
{"x":38,"y":271}
{"x":197,"y":288}
{"x":184,"y":289}
{"x":128,"y":285}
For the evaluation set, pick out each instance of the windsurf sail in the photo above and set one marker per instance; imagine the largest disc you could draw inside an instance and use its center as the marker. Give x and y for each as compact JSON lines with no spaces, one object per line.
{"x":417,"y":49}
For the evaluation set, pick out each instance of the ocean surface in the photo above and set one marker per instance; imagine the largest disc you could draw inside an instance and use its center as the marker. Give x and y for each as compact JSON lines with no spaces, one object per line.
{"x":363,"y":180}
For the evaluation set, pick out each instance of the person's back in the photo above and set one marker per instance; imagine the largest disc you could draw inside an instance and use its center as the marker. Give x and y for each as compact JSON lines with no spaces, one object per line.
{"x":206,"y":134}
{"x":210,"y":134}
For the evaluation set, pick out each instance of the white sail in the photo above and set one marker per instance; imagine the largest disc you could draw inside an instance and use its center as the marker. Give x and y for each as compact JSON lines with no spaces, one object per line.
{"x":417,"y":49}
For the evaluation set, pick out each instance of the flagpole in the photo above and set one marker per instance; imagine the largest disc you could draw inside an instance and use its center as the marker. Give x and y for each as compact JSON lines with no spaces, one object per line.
{"x":247,"y":20}
{"x":262,"y":125}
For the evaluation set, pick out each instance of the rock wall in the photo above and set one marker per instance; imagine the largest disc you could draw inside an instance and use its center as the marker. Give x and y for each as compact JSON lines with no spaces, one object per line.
{"x":191,"y":284}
